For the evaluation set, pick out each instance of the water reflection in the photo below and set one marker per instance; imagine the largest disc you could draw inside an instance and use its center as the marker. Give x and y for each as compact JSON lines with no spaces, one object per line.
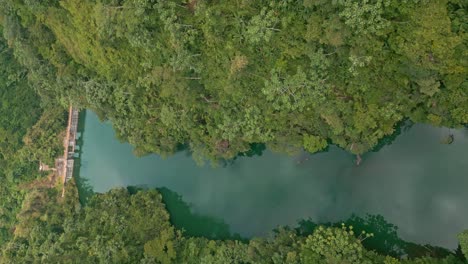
{"x":385,"y":239}
{"x":85,"y":189}
{"x":256,"y":149}
{"x":416,"y":183}
{"x":193,"y":224}
{"x":402,"y":126}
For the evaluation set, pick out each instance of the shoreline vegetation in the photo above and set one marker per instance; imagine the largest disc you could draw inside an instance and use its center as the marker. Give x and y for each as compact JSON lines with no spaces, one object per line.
{"x":217,"y":76}
{"x":135,"y":227}
{"x":57,"y":222}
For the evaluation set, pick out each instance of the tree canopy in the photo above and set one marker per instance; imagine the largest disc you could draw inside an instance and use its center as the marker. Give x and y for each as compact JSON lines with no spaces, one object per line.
{"x":219,"y":76}
{"x":28,"y":134}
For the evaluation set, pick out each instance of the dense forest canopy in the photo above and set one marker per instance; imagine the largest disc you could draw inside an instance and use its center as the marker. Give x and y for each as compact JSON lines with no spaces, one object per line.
{"x":28,"y":134}
{"x":220,"y":75}
{"x":217,"y":76}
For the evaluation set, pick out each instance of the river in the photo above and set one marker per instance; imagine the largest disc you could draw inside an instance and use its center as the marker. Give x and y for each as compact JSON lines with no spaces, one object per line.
{"x":415,"y":183}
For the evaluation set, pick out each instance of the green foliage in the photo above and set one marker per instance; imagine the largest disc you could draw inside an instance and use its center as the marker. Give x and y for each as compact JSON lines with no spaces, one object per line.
{"x":334,"y":246}
{"x":29,"y":132}
{"x":261,"y":26}
{"x":463,"y":240}
{"x":314,"y":144}
{"x":19,"y":107}
{"x":162,"y":248}
{"x":217,"y":76}
{"x":365,"y":16}
{"x":221,"y":75}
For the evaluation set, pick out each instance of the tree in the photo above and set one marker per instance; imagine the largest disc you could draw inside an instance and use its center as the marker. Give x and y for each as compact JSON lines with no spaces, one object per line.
{"x":334,"y":245}
{"x":313,"y":144}
{"x":220,"y":76}
{"x":262,"y":26}
{"x":463,"y":240}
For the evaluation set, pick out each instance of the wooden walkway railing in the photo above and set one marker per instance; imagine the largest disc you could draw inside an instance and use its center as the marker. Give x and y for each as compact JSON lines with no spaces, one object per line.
{"x":70,"y":144}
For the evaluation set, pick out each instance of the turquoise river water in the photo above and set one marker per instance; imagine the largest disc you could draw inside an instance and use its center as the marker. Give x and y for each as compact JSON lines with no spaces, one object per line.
{"x":415,"y":183}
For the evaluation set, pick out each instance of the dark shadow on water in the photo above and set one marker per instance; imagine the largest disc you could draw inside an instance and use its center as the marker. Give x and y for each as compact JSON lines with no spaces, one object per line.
{"x":194,"y":224}
{"x":256,"y":149}
{"x":183,"y":148}
{"x":81,"y":121}
{"x":85,"y":190}
{"x":402,"y":126}
{"x":385,"y":239}
{"x":182,"y":217}
{"x":134,"y":189}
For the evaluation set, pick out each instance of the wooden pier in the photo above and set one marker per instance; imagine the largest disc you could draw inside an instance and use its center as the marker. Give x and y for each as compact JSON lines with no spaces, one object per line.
{"x":67,"y":162}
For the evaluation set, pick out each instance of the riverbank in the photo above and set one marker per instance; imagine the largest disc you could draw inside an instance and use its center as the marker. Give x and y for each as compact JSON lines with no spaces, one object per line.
{"x":139,"y":223}
{"x":253,"y":195}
